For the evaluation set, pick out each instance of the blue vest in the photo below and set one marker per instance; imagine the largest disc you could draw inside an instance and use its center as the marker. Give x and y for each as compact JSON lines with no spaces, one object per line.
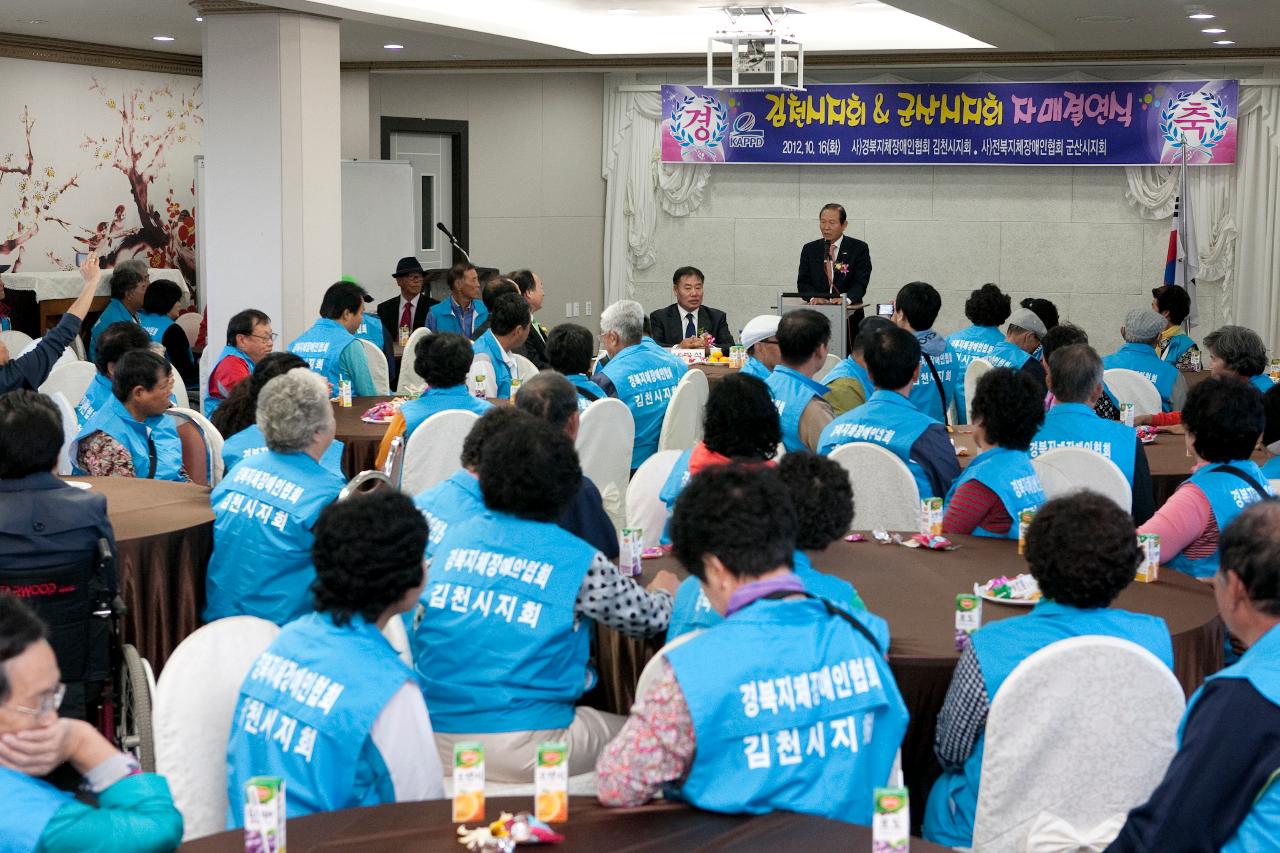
{"x":1142,"y":358}
{"x":502,"y":646}
{"x":791,"y":392}
{"x":436,"y":400}
{"x":1175,"y":348}
{"x":1007,"y":354}
{"x":211,"y":402}
{"x":1260,"y":666}
{"x":1009,"y":474}
{"x":263,"y":511}
{"x":114,"y":420}
{"x":29,"y":805}
{"x":795,"y":706}
{"x":155,"y":325}
{"x":924,"y":392}
{"x":1228,"y":496}
{"x":321,"y":346}
{"x":644,"y":379}
{"x":453,"y":500}
{"x":370,"y":329}
{"x":1077,"y":425}
{"x":489,"y":345}
{"x":1272,"y":469}
{"x":1262,"y":382}
{"x":582,"y":383}
{"x":1000,"y":647}
{"x":671,"y":489}
{"x":446,"y":321}
{"x":968,"y":344}
{"x":95,"y":396}
{"x":250,"y":442}
{"x":754,"y":367}
{"x":850,"y":369}
{"x":305,"y":713}
{"x":889,"y":420}
{"x":115,"y":312}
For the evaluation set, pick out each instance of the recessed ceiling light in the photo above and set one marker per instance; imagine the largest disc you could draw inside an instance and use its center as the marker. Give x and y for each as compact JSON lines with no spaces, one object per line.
{"x":393,"y":47}
{"x":33,"y":21}
{"x":1105,"y":19}
{"x":1224,"y":42}
{"x":1202,"y":16}
{"x":162,"y":38}
{"x":870,"y":4}
{"x":622,"y":11}
{"x":199,"y":20}
{"x":1213,"y":31}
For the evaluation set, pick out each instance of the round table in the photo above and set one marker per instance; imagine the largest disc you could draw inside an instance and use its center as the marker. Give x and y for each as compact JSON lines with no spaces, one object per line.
{"x":659,"y":826}
{"x":715,"y":372}
{"x":915,"y":591}
{"x":361,"y":440}
{"x":164,"y":536}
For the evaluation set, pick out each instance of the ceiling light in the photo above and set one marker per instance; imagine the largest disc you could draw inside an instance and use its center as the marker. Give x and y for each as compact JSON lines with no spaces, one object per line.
{"x":622,"y":11}
{"x":1224,"y":42}
{"x":1105,"y":19}
{"x":162,"y":38}
{"x":870,"y":4}
{"x":1213,"y":31}
{"x":199,"y":20}
{"x":393,"y":47}
{"x":34,"y":21}
{"x":1202,"y":16}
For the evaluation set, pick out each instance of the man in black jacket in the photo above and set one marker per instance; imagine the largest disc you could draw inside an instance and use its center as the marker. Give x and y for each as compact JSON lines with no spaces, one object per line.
{"x":687,"y":321}
{"x":535,"y":348}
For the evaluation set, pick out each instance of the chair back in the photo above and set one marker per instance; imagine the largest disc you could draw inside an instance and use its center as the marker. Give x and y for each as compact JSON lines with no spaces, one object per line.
{"x":69,"y":353}
{"x":525,"y":369}
{"x":72,"y":379}
{"x":378,"y":369}
{"x":1081,"y":732}
{"x":212,"y":440}
{"x":365,"y":483}
{"x":644,"y":508}
{"x":15,"y":341}
{"x":885,"y":495}
{"x":180,"y":398}
{"x":1275,"y":487}
{"x":975,"y":371}
{"x":434,"y":451}
{"x":683,"y":417}
{"x":190,"y":324}
{"x":606,"y":434}
{"x":698,"y":380}
{"x":191,"y":716}
{"x":1065,"y":470}
{"x":1130,"y":386}
{"x":409,"y":381}
{"x":393,"y":468}
{"x":827,"y":366}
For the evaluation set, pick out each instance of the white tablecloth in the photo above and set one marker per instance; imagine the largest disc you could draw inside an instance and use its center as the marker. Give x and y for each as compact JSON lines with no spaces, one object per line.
{"x":56,"y":284}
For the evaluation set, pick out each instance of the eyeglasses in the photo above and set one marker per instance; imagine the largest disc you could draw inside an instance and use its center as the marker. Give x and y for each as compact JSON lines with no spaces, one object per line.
{"x":270,"y":338}
{"x":773,"y":341}
{"x":51,"y":701}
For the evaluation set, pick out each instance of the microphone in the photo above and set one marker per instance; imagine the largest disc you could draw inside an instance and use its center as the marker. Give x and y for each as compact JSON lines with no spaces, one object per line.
{"x":446,"y":233}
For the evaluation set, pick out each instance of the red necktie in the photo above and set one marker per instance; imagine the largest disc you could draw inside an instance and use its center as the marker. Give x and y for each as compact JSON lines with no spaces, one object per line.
{"x":406,"y":316}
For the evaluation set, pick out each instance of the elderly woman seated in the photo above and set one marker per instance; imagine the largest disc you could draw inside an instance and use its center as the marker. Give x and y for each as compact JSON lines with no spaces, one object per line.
{"x":130,"y":436}
{"x":1083,"y":551}
{"x":265,"y":508}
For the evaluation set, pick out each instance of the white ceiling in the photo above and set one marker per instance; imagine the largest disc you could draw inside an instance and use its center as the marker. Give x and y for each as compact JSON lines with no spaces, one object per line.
{"x":549,"y":29}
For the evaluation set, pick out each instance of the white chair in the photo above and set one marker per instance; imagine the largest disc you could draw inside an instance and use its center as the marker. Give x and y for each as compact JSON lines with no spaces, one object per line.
{"x":1130,"y":386}
{"x":975,"y":371}
{"x":1080,"y":733}
{"x":180,"y":398}
{"x":684,"y":415}
{"x":525,"y":369}
{"x":398,"y":636}
{"x":606,"y":436}
{"x":68,"y":353}
{"x":190,"y":323}
{"x":434,"y":451}
{"x":1275,"y":487}
{"x":827,"y":367}
{"x":378,"y":368}
{"x":208,"y":432}
{"x":72,"y":379}
{"x":698,"y":380}
{"x":644,"y":508}
{"x":410,"y":382}
{"x":77,"y":344}
{"x":885,"y":495}
{"x":15,"y":341}
{"x":1065,"y":470}
{"x":191,"y":718}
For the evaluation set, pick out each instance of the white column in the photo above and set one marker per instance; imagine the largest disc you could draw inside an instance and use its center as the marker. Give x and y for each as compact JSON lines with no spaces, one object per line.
{"x":273,"y":219}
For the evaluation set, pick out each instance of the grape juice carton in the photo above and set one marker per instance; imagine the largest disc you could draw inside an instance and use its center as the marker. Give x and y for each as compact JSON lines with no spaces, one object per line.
{"x":551,"y":783}
{"x":468,"y":781}
{"x":891,"y":821}
{"x":968,"y":618}
{"x":264,"y":815}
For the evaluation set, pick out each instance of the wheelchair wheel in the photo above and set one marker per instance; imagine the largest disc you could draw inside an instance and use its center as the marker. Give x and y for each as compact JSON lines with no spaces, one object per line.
{"x":135,"y":709}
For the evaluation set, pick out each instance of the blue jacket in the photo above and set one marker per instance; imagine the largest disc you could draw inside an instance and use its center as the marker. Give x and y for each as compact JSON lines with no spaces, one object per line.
{"x":891,"y":421}
{"x":924,"y":393}
{"x":792,"y":392}
{"x":115,"y":312}
{"x":1078,"y":425}
{"x":116,"y":421}
{"x":1228,"y":496}
{"x":250,"y":442}
{"x":211,"y":402}
{"x":968,"y":344}
{"x":321,"y":346}
{"x":98,"y":392}
{"x":1009,"y":474}
{"x":453,"y":500}
{"x":588,"y":391}
{"x":436,"y":400}
{"x":1142,"y":359}
{"x":754,"y":367}
{"x":488,"y":345}
{"x":443,"y":318}
{"x":154,"y":325}
{"x":644,"y":379}
{"x":29,"y":805}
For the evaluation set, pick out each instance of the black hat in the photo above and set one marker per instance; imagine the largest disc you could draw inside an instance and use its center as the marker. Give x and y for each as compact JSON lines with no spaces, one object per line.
{"x":407,"y":266}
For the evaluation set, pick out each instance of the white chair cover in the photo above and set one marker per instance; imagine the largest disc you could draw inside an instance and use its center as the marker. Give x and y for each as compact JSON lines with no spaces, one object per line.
{"x":1080,"y":733}
{"x":190,"y":323}
{"x":16,"y":342}
{"x":644,"y":508}
{"x":606,"y":436}
{"x":885,"y":496}
{"x":212,"y":439}
{"x":1275,"y":486}
{"x":70,"y":426}
{"x":180,"y":398}
{"x":409,"y":381}
{"x":975,"y":371}
{"x":191,"y":717}
{"x":684,"y":414}
{"x":827,"y":366}
{"x":525,"y":368}
{"x":698,"y":380}
{"x":378,"y":369}
{"x":434,"y":451}
{"x":69,"y":353}
{"x":1065,"y":470}
{"x":398,"y":636}
{"x":77,"y":344}
{"x":1130,"y":386}
{"x":71,"y":379}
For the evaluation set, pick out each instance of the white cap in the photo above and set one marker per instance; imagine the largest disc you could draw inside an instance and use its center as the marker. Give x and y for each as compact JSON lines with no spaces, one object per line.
{"x":759,"y":328}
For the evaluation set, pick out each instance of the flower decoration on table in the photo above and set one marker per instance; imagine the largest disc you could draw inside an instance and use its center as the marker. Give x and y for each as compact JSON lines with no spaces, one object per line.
{"x":383,"y":412}
{"x":506,"y":832}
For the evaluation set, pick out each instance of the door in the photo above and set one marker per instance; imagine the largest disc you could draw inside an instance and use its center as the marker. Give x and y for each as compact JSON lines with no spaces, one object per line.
{"x":432,"y":157}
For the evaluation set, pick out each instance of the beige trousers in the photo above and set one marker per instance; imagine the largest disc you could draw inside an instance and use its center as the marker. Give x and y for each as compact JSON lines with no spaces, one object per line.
{"x":509,"y":756}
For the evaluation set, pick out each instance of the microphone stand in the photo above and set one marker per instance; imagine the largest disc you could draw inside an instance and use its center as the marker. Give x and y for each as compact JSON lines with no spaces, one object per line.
{"x":453,"y":241}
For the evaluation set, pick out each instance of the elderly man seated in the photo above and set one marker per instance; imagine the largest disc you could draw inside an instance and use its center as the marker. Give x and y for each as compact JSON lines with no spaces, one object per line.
{"x":330,"y":346}
{"x":570,"y":349}
{"x":249,"y":339}
{"x":129,"y":280}
{"x":132,"y":811}
{"x":916,"y":309}
{"x":760,"y":339}
{"x":1022,"y":338}
{"x":130,"y":436}
{"x":264,"y":510}
{"x":1141,"y":331}
{"x":849,"y":381}
{"x":687,"y":322}
{"x":361,"y":735}
{"x":1083,"y":551}
{"x":509,"y":321}
{"x":803,"y":336}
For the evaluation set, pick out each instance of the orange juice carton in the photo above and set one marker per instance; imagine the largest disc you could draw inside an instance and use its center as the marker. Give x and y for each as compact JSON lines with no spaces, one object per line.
{"x":468,"y":781}
{"x":264,"y":815}
{"x":1024,"y":523}
{"x":931,"y":516}
{"x":968,"y":617}
{"x":1149,"y":568}
{"x":551,"y":783}
{"x":890,"y":821}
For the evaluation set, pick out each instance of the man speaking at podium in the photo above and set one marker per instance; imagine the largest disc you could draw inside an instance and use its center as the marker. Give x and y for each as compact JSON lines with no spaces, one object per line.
{"x":835,"y":266}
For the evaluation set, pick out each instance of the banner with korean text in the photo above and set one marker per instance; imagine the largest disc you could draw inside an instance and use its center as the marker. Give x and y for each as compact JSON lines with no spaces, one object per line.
{"x":1020,"y":124}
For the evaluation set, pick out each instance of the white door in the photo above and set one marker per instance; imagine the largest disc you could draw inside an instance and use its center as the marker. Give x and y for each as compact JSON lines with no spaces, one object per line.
{"x":432,"y":157}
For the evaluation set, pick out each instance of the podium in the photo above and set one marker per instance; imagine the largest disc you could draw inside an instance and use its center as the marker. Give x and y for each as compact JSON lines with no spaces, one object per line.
{"x":837,"y":316}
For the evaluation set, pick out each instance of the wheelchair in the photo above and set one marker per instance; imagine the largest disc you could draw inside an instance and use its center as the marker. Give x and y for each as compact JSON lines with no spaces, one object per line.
{"x":108,"y":683}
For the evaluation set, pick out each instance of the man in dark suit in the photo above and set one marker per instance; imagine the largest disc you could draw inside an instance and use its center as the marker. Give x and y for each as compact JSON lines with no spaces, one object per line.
{"x":408,"y":309}
{"x":535,"y":348}
{"x":686,"y":321}
{"x":837,"y":265}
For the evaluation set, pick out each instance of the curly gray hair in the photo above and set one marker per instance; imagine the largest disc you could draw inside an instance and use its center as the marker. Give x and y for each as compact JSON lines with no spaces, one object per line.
{"x":626,"y":318}
{"x":292,"y":408}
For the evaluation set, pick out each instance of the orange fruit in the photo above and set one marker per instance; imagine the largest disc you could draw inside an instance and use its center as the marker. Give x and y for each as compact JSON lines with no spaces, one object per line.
{"x":468,"y":806}
{"x":552,"y":806}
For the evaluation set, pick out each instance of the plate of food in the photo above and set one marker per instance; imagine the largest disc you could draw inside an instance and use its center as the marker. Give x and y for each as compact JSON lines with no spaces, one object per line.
{"x":383,"y":412}
{"x":1021,"y":590}
{"x":1147,"y":434}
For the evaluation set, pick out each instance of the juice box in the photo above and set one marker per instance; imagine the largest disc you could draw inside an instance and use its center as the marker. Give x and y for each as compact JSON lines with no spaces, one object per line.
{"x":931,"y":516}
{"x":632,"y":548}
{"x":1149,"y":568}
{"x":968,"y":617}
{"x":891,"y":821}
{"x":515,"y":386}
{"x":479,"y":380}
{"x":551,"y":783}
{"x":1126,"y":414}
{"x":264,"y":815}
{"x":468,"y":781}
{"x":404,"y":336}
{"x":1024,"y":523}
{"x":344,"y":392}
